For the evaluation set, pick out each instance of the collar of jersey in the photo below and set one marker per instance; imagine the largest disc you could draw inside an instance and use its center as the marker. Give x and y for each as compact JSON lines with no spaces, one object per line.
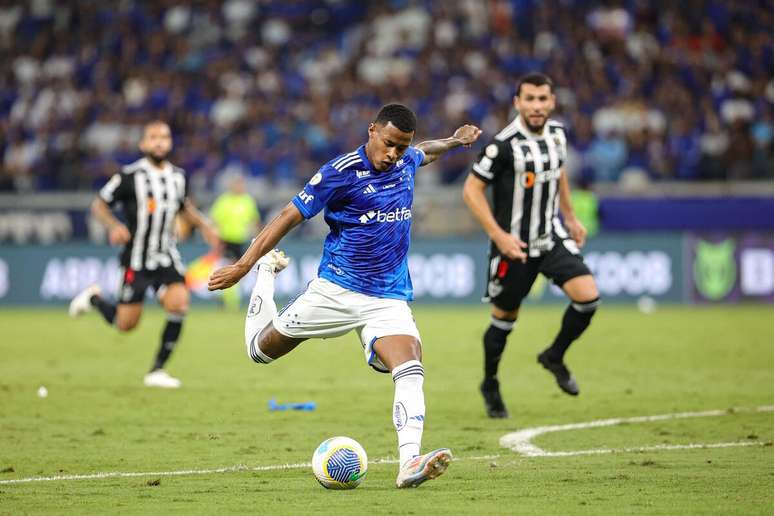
{"x":364,"y":157}
{"x":150,"y":166}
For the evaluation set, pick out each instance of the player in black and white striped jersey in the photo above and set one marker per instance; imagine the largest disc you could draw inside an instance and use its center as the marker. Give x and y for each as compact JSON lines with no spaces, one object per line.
{"x":151,"y":193}
{"x":524,"y":165}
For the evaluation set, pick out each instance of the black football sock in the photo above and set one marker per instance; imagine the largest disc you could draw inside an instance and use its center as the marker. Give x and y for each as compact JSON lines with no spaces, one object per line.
{"x":108,"y":310}
{"x":168,"y":339}
{"x":494,"y":345}
{"x":575,"y":321}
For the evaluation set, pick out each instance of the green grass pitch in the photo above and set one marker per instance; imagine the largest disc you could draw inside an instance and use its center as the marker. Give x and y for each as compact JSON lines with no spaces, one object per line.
{"x":99,"y":418}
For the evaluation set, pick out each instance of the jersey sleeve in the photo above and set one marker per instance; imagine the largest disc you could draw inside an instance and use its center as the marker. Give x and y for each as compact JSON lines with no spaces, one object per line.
{"x":116,"y":189}
{"x":492,"y":161}
{"x":416,"y":155}
{"x":324,"y":187}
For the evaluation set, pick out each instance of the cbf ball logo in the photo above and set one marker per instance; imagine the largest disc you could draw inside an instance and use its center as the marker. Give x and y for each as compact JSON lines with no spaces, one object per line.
{"x":714,"y":269}
{"x":527,"y":179}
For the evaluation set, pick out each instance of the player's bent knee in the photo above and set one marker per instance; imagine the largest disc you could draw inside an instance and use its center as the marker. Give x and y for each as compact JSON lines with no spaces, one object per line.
{"x":416,"y":347}
{"x":177,"y":308}
{"x":586,"y":307}
{"x":581,"y":288}
{"x":126,"y":325}
{"x":505,"y":315}
{"x":255,"y":353}
{"x":178,"y":305}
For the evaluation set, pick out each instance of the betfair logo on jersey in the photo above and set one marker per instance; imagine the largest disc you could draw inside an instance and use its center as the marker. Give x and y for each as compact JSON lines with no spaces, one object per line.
{"x":396,"y":215}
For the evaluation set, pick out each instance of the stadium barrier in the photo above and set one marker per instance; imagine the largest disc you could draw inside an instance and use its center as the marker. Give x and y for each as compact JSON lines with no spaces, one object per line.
{"x":438,"y":211}
{"x":667,"y":267}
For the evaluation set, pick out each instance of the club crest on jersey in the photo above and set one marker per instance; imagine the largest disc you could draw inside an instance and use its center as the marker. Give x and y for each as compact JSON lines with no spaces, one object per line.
{"x":527,"y":179}
{"x":362,"y":173}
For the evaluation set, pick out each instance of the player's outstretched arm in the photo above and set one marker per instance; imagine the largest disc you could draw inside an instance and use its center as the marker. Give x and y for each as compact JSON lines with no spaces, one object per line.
{"x":118,"y":233}
{"x":434,"y":149}
{"x":474,"y":195}
{"x":266,"y":240}
{"x":197,"y":219}
{"x":574,"y":226}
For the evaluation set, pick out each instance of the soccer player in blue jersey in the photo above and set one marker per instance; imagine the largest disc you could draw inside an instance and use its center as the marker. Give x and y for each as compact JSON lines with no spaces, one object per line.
{"x":363,"y":281}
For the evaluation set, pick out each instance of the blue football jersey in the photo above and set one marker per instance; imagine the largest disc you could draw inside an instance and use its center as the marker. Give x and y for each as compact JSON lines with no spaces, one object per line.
{"x":369,"y":216}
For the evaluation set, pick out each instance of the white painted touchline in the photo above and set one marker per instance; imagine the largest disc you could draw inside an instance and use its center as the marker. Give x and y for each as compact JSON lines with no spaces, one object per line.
{"x":521,"y":441}
{"x":517,"y":441}
{"x":189,"y":472}
{"x":657,"y":447}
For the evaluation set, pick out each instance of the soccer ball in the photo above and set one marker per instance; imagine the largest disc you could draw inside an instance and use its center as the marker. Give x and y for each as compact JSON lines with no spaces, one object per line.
{"x":339,"y":463}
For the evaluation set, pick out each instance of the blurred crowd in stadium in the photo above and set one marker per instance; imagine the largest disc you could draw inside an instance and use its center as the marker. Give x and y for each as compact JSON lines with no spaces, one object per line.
{"x":272,"y":89}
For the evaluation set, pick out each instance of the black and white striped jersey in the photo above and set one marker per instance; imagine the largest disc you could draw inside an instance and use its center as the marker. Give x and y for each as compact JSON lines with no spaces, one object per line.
{"x":524,"y":170}
{"x":150,"y":199}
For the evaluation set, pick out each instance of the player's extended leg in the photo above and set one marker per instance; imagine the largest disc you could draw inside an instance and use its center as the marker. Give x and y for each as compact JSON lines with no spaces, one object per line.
{"x":264,"y":343}
{"x":92,"y":297}
{"x":584,"y":299}
{"x":509,"y":282}
{"x":175,"y":300}
{"x":127,"y":316}
{"x":495,"y":338}
{"x":402,"y":355}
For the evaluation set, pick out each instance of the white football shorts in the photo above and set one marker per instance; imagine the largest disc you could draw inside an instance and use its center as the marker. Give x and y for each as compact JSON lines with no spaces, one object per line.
{"x":327,"y":310}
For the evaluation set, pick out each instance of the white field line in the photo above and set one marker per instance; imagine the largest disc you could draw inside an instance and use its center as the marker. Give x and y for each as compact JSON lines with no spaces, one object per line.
{"x":521,"y":441}
{"x":657,"y":447}
{"x":517,"y":441}
{"x":188,"y":472}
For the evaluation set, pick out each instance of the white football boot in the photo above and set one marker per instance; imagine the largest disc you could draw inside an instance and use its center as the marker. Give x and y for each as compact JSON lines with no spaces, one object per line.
{"x":160,"y":378}
{"x":424,"y":467}
{"x":82,"y":302}
{"x":275,"y":260}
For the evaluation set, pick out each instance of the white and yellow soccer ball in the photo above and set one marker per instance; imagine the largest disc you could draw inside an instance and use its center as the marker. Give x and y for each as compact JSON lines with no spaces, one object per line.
{"x":339,"y":463}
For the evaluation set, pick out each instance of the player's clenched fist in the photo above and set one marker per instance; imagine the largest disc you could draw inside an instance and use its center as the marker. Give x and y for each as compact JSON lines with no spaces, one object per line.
{"x":467,"y":134}
{"x":511,"y":246}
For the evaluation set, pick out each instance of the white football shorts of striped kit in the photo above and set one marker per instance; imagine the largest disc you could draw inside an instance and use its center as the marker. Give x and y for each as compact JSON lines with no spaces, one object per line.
{"x":326,"y":310}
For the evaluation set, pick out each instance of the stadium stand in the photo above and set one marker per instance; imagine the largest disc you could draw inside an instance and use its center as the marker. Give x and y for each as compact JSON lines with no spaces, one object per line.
{"x":650,"y":90}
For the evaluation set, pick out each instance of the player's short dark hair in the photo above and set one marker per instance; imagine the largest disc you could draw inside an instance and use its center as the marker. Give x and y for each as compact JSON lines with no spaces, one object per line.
{"x":535,"y":79}
{"x":399,"y":115}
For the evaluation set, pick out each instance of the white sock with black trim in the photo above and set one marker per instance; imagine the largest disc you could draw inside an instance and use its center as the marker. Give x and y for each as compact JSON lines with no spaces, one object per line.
{"x":408,"y":412}
{"x":260,"y":312}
